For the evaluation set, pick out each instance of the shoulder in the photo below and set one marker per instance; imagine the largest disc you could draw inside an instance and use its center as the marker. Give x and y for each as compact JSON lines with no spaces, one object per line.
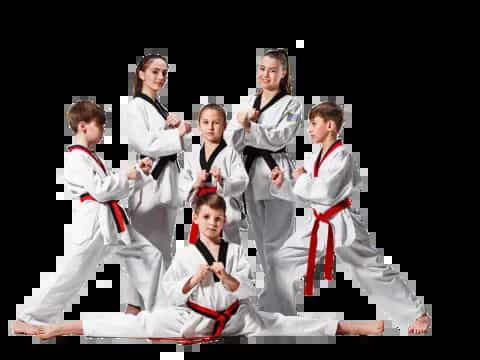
{"x":340,"y":157}
{"x":185,"y":252}
{"x":76,"y":160}
{"x":234,"y":249}
{"x":342,"y":152}
{"x":137,"y":104}
{"x":293,"y":102}
{"x":230,"y":152}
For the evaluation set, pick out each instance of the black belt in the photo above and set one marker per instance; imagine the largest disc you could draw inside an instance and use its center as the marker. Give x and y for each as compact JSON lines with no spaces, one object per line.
{"x":252,"y":153}
{"x":162,"y":162}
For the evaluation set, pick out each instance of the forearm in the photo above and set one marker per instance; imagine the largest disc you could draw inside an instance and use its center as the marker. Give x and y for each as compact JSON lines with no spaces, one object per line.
{"x":188,"y":285}
{"x":230,"y":282}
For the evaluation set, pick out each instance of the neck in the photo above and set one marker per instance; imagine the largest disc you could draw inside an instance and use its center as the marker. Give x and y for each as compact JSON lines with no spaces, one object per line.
{"x":328,"y":142}
{"x":210,"y":241}
{"x":149,"y":92}
{"x":80,"y":140}
{"x":269,"y":94}
{"x":209,"y":145}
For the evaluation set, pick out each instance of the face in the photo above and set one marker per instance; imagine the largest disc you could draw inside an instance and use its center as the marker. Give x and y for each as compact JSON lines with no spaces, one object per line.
{"x":270,"y":72}
{"x":155,"y":75}
{"x":318,"y":129}
{"x":210,"y":221}
{"x":93,"y":131}
{"x":211,"y":125}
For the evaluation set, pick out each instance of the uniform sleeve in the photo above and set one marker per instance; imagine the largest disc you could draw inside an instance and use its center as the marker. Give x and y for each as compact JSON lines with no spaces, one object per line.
{"x":152,"y":143}
{"x":275,"y":138}
{"x":186,"y":179}
{"x":234,"y":134}
{"x":284,"y":192}
{"x":236,"y":180}
{"x":241,"y":273}
{"x":328,"y":187}
{"x":173,"y":282}
{"x":112,"y":187}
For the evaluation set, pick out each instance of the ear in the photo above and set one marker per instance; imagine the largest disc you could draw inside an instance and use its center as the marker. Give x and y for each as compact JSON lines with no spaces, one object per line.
{"x":330,"y":125}
{"x":195,"y":217}
{"x":82,"y":125}
{"x":141,"y":75}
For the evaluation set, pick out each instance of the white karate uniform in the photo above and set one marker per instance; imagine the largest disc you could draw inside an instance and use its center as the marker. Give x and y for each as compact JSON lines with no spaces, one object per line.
{"x":272,"y":219}
{"x":95,"y":235}
{"x":153,"y":203}
{"x":180,"y":320}
{"x":235,"y":181}
{"x":337,"y":178}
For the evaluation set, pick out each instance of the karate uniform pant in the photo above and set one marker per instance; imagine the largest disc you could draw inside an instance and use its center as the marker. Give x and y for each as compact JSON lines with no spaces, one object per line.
{"x":81,"y":266}
{"x":382,"y":283}
{"x":155,"y":227}
{"x":171,"y":321}
{"x":272,"y":222}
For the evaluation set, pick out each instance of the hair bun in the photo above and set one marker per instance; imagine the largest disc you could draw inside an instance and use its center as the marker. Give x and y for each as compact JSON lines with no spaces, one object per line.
{"x":277,"y":50}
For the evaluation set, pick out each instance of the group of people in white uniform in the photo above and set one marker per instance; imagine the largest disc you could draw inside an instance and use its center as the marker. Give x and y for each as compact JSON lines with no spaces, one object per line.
{"x":241,"y":172}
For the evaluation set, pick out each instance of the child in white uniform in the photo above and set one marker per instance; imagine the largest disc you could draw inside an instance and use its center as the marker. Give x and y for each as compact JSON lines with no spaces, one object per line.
{"x":216,"y":167}
{"x":209,"y":287}
{"x":326,"y":185}
{"x":100,"y":225}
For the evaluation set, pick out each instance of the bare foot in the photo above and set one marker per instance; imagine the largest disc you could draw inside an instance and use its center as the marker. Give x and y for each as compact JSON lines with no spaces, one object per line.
{"x":421,"y":325}
{"x":360,"y":328}
{"x":21,"y":327}
{"x":132,"y":309}
{"x":49,"y":331}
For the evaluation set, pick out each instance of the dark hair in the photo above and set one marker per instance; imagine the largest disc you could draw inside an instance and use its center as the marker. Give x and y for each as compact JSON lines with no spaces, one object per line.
{"x":215,"y":107}
{"x":282,"y":56}
{"x":212,"y":200}
{"x":328,"y":111}
{"x":86,"y":111}
{"x":142,"y":66}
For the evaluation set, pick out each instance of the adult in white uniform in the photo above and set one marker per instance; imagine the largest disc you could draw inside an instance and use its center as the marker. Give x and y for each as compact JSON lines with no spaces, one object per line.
{"x":153,"y":204}
{"x":262,"y":132}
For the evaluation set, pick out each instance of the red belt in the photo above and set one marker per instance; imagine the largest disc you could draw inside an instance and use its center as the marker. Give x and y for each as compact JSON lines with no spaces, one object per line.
{"x":312,"y":252}
{"x":117,"y":211}
{"x":193,"y":236}
{"x":221,"y":317}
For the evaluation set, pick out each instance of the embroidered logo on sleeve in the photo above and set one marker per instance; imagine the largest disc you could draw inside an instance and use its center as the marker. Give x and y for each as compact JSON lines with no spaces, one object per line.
{"x":291,"y":117}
